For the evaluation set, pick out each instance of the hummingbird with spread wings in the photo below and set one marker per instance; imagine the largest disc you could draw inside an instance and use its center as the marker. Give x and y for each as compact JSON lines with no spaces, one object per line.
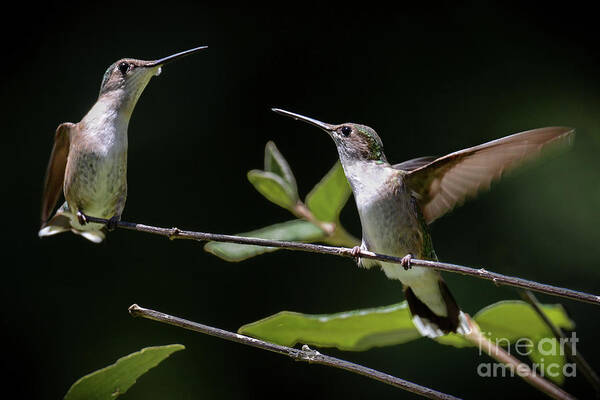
{"x":88,"y":163}
{"x":396,"y":203}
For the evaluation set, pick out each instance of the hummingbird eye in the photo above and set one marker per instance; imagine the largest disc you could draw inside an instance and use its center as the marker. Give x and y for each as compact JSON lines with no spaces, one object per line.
{"x":346,"y":131}
{"x":123,"y":67}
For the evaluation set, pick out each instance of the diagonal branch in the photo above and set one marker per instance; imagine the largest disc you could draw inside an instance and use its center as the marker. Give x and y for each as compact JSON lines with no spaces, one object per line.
{"x":306,"y":354}
{"x":575,"y":356}
{"x":521,"y":369}
{"x":498,"y":279}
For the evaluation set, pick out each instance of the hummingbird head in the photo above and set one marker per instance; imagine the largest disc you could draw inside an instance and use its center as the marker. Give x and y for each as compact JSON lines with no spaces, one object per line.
{"x":126,"y":79}
{"x":354,"y":142}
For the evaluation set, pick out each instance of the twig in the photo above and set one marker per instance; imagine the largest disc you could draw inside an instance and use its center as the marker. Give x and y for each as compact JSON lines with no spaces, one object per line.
{"x":306,"y":354}
{"x":572,"y":354}
{"x":336,"y":235}
{"x":523,"y":370}
{"x":301,"y":211}
{"x":498,"y":279}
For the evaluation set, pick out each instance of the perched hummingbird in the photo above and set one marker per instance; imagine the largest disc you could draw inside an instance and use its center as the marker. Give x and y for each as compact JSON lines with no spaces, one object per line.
{"x":89,"y":158}
{"x":397,"y":202}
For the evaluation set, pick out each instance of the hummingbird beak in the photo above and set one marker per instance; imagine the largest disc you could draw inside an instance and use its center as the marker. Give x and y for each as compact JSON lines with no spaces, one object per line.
{"x":172,"y":57}
{"x":326,"y":127}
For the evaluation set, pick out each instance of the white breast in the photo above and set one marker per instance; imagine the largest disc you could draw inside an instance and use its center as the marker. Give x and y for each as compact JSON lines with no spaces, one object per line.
{"x":388,"y":221}
{"x":99,"y":169}
{"x":391,"y":226}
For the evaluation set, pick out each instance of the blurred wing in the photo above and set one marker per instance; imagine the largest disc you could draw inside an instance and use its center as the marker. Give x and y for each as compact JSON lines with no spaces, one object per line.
{"x":446,"y":182}
{"x":56,"y":169}
{"x":414,"y":163}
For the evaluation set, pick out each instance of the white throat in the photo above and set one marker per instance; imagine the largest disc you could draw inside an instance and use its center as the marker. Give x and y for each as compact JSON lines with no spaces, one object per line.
{"x":369,"y":180}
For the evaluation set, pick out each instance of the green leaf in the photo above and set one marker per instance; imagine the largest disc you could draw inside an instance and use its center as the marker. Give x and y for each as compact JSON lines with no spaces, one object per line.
{"x":453,"y":339}
{"x":515,"y":319}
{"x":547,"y":355}
{"x":277,"y":164}
{"x":329,"y":196}
{"x":294,"y":230}
{"x":507,"y":321}
{"x":110,"y":382}
{"x":516,"y":322}
{"x":390,"y":325}
{"x":273,"y":187}
{"x":276,"y":182}
{"x":354,"y":330}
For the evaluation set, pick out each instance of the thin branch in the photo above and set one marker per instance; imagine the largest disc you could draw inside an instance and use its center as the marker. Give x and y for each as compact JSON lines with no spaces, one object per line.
{"x":521,"y":369}
{"x":306,"y":354}
{"x":498,"y":279}
{"x":572,"y":354}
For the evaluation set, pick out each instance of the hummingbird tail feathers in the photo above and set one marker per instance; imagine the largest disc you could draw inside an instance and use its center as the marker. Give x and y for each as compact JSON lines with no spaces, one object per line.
{"x":430,"y":324}
{"x":64,"y":221}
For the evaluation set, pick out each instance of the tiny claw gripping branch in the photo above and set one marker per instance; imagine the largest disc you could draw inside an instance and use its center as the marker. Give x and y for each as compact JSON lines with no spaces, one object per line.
{"x":174,"y":233}
{"x":82,"y":218}
{"x":355,"y":252}
{"x":405,"y":263}
{"x":112,"y":223}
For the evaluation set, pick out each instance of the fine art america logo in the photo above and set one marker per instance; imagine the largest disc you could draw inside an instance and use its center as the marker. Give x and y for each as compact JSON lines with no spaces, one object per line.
{"x":547,"y":350}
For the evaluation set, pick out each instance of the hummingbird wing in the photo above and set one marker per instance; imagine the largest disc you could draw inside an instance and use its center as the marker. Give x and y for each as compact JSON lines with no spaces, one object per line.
{"x":410,"y":165}
{"x":446,"y":182}
{"x":55,"y":173}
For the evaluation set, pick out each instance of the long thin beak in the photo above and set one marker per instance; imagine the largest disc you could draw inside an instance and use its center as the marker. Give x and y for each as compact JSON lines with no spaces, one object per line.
{"x":173,"y":57}
{"x":312,"y":121}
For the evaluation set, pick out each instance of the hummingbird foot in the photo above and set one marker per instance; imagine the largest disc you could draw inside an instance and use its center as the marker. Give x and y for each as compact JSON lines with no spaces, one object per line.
{"x":405,"y":263}
{"x":356,"y":254}
{"x":112,"y":223}
{"x":81,"y":218}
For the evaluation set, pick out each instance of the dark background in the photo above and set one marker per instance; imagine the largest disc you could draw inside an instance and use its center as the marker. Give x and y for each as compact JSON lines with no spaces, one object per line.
{"x":430,"y":79}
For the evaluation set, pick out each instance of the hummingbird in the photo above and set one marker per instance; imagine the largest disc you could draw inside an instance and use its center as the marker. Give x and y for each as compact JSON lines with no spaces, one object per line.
{"x":396,"y":204}
{"x":89,"y":159}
